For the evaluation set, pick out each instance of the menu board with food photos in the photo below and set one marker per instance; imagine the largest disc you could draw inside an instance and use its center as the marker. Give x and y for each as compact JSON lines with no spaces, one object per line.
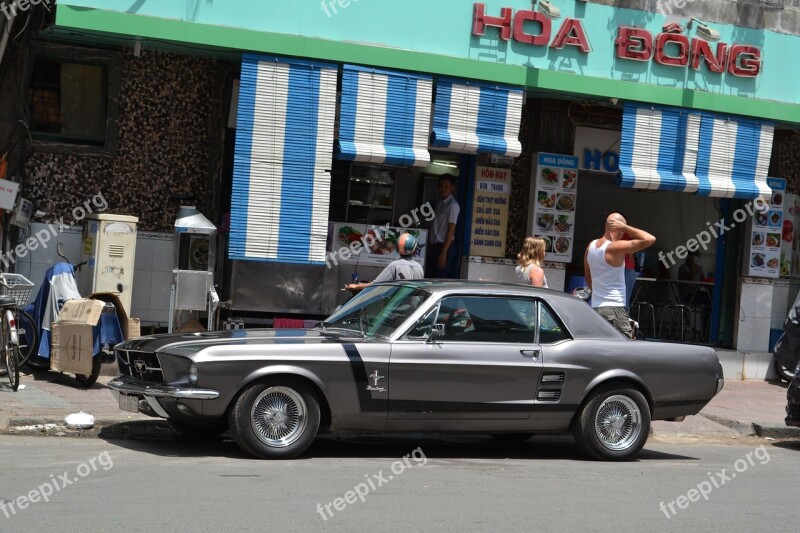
{"x":764,"y":247}
{"x":369,"y":245}
{"x":553,"y":198}
{"x":790,"y":237}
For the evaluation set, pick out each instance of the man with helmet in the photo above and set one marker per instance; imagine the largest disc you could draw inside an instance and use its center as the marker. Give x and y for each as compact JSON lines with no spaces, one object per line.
{"x":403,"y":268}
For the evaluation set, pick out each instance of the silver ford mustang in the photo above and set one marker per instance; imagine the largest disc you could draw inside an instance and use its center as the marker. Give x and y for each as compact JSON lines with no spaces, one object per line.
{"x":423,"y":356}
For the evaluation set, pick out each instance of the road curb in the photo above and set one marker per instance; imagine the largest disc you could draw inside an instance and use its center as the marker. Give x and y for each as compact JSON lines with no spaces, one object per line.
{"x":744,"y":429}
{"x":776,"y":431}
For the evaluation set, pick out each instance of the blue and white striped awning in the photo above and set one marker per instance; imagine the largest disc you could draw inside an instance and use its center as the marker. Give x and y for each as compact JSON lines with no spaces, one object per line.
{"x":658,"y":150}
{"x":284,"y":143}
{"x":384,"y":117}
{"x":674,"y":149}
{"x":472,"y":117}
{"x":733,"y":157}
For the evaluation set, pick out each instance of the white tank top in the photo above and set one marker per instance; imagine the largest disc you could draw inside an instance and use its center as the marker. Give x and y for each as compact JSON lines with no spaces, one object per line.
{"x":608,"y":282}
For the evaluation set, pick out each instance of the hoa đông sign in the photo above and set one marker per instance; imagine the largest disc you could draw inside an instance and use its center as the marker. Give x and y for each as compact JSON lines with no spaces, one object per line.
{"x":669,"y":48}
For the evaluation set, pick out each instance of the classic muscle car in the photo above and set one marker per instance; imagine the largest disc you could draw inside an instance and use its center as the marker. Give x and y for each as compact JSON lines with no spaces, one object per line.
{"x":423,"y":356}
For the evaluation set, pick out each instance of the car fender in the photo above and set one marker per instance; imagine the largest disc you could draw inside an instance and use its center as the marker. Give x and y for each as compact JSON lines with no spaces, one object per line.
{"x":617,"y":374}
{"x":272,"y":370}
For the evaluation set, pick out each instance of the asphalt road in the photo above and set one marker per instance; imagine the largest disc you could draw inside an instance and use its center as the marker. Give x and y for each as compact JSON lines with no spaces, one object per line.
{"x":448,"y":484}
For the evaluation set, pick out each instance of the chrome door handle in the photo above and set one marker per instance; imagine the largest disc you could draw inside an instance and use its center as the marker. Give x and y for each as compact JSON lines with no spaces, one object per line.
{"x":533,"y":353}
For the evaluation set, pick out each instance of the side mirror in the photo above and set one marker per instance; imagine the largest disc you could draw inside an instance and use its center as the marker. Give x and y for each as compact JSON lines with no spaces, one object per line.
{"x":436,"y":332}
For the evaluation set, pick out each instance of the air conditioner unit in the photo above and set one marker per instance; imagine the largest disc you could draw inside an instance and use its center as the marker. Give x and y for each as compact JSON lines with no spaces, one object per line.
{"x":549,"y":10}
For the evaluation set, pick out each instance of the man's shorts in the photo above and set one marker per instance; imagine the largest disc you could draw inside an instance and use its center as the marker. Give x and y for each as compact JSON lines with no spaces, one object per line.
{"x":618,"y":318}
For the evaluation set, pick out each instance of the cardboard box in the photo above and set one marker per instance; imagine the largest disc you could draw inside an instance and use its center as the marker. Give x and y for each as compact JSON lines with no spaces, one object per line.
{"x":83,"y":311}
{"x":71,"y":347}
{"x":134,"y":328}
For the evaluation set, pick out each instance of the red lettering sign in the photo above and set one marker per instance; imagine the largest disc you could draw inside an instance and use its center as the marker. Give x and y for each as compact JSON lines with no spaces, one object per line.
{"x":669,"y":48}
{"x":676,"y":50}
{"x":571,"y":34}
{"x":512,"y":26}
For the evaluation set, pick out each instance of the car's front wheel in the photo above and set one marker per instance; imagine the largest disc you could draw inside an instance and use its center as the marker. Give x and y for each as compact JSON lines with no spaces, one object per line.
{"x":275,"y":419}
{"x":614,"y":424}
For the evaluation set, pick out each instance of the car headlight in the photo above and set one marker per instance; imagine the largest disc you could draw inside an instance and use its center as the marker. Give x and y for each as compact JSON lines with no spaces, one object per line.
{"x":193,"y":374}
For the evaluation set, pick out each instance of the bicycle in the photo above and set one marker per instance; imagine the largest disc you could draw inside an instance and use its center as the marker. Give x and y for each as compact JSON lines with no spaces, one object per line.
{"x":19,"y":287}
{"x":9,"y":340}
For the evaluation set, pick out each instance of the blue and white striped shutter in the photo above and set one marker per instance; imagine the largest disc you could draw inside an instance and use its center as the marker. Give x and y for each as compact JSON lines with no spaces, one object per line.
{"x":659,"y":148}
{"x":472,"y":117}
{"x":733,"y":158}
{"x":284,"y":143}
{"x":384,"y":117}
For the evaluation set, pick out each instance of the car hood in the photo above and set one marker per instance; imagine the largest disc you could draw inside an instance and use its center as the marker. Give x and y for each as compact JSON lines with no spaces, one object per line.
{"x":193,"y":342}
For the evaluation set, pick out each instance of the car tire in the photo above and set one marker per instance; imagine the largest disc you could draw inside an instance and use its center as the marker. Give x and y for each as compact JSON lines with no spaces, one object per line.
{"x":511,"y":438}
{"x":784,"y":373}
{"x":275,"y":419}
{"x":614,"y":424}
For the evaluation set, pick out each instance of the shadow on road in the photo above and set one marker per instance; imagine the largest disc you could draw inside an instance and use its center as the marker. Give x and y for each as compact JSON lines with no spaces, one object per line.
{"x":159,"y":438}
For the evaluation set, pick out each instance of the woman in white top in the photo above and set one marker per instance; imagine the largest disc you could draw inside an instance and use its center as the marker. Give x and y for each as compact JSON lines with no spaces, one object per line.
{"x":529,"y":263}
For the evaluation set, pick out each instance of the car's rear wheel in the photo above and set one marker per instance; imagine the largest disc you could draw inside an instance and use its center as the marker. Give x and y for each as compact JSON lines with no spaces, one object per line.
{"x":275,"y":419}
{"x":614,"y":424}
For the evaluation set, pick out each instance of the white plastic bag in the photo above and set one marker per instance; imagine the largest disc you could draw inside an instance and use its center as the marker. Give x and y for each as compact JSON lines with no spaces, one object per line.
{"x":79,"y":421}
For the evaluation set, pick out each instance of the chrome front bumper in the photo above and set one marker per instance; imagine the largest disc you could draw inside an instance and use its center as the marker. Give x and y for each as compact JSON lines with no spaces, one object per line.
{"x":149,"y":395}
{"x":161,"y":391}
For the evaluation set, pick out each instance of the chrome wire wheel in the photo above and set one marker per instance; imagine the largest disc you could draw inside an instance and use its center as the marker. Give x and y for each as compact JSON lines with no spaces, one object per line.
{"x":279,"y":416}
{"x":618,"y":422}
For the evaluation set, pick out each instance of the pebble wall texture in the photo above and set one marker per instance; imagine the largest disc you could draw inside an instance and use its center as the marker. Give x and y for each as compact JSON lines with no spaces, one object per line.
{"x":167,"y":105}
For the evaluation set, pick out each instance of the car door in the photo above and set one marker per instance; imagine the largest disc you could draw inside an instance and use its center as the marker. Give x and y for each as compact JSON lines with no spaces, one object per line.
{"x":485,"y":365}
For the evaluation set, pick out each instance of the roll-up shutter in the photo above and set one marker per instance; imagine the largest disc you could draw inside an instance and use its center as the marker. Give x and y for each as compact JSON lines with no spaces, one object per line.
{"x":284,"y":143}
{"x":658,"y":150}
{"x":472,"y":117}
{"x":384,"y":117}
{"x":733,"y":157}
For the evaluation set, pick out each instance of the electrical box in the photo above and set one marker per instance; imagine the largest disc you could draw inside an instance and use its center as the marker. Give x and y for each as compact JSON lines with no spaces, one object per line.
{"x":22,"y":213}
{"x":109,"y":246}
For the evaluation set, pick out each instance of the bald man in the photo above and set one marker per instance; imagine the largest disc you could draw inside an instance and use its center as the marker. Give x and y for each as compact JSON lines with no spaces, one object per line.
{"x":604,"y":269}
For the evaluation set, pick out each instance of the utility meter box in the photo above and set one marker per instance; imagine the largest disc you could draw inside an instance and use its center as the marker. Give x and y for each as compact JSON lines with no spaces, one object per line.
{"x":109,"y":246}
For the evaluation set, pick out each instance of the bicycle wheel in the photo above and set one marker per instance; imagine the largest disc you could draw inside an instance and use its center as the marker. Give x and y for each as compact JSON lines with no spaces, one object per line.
{"x":11,"y":352}
{"x":28,"y":336}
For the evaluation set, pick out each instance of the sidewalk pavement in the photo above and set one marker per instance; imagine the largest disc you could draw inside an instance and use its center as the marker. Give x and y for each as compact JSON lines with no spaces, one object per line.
{"x":743,"y":408}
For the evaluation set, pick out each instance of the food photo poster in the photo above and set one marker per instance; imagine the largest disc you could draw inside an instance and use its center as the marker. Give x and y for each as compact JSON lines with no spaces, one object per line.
{"x":554,"y":188}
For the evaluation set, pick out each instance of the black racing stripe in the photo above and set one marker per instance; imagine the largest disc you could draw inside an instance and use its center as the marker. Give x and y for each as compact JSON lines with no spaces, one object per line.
{"x":367,"y":403}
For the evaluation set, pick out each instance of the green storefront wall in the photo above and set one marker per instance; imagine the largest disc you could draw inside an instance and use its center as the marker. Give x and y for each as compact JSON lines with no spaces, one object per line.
{"x":98,"y":22}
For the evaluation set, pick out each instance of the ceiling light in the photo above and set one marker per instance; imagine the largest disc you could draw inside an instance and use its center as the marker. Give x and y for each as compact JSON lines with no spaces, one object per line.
{"x":447,"y":164}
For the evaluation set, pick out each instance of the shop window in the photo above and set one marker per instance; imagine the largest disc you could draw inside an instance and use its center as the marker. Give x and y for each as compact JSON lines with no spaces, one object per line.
{"x":68,"y":102}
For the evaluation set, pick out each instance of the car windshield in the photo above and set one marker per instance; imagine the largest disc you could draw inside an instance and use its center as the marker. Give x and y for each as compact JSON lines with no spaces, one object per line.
{"x":378,"y":310}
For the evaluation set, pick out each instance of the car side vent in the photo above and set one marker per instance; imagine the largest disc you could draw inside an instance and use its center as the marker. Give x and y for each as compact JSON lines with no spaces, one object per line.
{"x":553,"y":378}
{"x":548,"y":395}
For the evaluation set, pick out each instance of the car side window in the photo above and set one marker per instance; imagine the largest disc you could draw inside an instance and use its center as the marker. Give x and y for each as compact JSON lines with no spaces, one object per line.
{"x":550,"y":330}
{"x":487,"y":319}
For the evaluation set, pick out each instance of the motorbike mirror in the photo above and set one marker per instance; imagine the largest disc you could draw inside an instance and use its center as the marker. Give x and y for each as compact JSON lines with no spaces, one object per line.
{"x":60,"y":251}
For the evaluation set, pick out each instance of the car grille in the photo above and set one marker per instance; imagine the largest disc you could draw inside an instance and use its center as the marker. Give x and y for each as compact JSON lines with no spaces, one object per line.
{"x":142,"y":366}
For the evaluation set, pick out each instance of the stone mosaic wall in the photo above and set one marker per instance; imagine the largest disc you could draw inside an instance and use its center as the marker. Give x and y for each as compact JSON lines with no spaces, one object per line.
{"x":164,"y":146}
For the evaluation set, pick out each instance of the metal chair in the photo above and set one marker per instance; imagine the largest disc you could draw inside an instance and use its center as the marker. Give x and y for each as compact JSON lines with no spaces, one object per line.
{"x":636,"y":314}
{"x":680,"y":315}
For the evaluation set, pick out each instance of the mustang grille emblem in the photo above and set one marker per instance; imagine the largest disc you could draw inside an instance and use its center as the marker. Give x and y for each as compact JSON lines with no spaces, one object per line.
{"x":140,"y":365}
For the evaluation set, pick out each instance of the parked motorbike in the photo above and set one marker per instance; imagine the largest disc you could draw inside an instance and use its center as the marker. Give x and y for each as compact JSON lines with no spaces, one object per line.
{"x":787,"y":349}
{"x":58,"y":286}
